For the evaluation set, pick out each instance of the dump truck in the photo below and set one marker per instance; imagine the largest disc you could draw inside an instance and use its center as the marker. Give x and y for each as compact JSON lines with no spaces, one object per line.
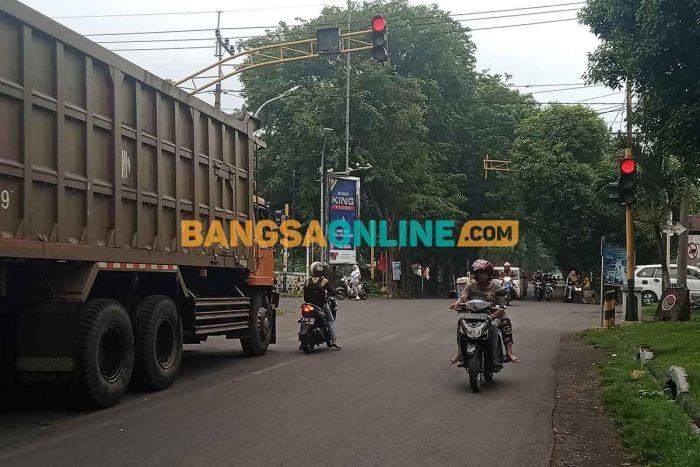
{"x":100,"y":161}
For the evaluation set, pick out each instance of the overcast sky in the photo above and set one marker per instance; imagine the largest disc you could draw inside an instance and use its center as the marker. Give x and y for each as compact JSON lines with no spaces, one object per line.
{"x":537,"y":54}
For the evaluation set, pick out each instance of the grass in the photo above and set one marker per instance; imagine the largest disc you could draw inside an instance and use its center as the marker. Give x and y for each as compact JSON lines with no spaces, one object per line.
{"x":653,"y":428}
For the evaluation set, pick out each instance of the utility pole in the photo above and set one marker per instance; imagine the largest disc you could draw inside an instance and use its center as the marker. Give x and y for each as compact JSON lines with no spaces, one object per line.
{"x":347,"y":99}
{"x":684,"y":217}
{"x":220,"y":56}
{"x":631,"y":312}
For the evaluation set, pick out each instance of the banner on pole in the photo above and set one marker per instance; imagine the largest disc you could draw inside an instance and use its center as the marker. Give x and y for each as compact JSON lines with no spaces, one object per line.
{"x":614,"y":265}
{"x":344,"y":205}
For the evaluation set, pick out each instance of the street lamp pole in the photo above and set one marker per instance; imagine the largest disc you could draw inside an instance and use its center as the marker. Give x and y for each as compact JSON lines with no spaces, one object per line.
{"x":322,"y":217}
{"x":283,"y":95}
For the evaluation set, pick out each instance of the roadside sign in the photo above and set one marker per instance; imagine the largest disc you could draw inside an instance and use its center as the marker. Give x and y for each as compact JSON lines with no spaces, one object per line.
{"x":673,"y":229}
{"x":614,"y":264}
{"x":694,"y":250}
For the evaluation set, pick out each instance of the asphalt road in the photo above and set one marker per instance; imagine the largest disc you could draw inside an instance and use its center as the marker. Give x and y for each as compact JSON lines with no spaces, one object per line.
{"x":389,"y":398}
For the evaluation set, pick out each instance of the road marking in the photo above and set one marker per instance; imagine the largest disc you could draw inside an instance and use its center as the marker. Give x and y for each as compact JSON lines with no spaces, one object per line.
{"x":269,"y":368}
{"x":388,"y":338}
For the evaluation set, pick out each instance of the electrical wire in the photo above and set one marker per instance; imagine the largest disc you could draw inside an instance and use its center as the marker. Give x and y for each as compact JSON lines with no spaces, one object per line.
{"x":427,"y":34}
{"x":314,"y":25}
{"x":296,"y":32}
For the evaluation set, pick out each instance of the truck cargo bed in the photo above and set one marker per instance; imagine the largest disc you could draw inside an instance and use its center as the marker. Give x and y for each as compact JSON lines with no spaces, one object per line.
{"x":101,"y":160}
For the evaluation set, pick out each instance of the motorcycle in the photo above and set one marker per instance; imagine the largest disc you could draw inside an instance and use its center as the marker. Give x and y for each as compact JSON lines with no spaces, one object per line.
{"x":548,"y":290}
{"x":474,"y":331}
{"x":344,"y":291}
{"x":573,"y":292}
{"x":507,"y":284}
{"x":539,"y":289}
{"x":313,"y":326}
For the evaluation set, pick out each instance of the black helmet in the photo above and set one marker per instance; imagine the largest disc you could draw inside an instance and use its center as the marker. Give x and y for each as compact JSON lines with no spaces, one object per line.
{"x":319,"y":269}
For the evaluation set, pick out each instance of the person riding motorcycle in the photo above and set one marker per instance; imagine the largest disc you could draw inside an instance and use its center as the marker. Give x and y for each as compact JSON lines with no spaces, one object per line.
{"x":571,"y":279}
{"x":485,"y":289}
{"x":317,"y":290}
{"x":507,"y":271}
{"x":354,"y":281}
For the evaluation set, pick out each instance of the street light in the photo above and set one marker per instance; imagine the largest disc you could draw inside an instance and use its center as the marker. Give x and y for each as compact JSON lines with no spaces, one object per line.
{"x":323,"y":193}
{"x":284,"y":94}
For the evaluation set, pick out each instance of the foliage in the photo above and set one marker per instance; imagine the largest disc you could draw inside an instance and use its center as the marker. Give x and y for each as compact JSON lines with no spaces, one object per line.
{"x":424,"y":120}
{"x":654,"y":429}
{"x":656,"y":45}
{"x":555,"y":155}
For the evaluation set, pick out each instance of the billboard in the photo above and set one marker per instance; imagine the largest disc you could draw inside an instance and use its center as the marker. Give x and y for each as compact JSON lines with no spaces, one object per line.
{"x":614,"y":265}
{"x":343,"y":205}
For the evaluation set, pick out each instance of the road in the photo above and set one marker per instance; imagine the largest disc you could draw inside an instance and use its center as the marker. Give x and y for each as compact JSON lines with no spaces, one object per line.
{"x":389,"y":398}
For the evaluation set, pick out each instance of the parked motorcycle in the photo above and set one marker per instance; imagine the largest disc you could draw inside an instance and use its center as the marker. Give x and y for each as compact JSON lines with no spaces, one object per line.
{"x":313,"y":326}
{"x":345,"y":291}
{"x":475,"y":330}
{"x":507,"y":284}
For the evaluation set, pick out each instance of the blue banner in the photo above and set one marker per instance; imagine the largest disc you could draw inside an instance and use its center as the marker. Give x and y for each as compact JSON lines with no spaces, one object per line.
{"x":343,"y":209}
{"x":614,"y":265}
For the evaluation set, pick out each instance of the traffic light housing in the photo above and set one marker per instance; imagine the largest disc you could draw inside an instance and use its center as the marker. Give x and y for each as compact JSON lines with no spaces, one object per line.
{"x":380,"y":40}
{"x":624,"y":189}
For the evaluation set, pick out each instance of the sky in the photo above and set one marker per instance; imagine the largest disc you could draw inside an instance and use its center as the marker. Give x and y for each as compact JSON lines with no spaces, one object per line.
{"x":554,"y":53}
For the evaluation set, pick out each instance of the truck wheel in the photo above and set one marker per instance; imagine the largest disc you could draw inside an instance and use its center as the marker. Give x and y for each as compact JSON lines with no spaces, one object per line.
{"x":104,"y":353}
{"x":158,"y":343}
{"x":260,"y":331}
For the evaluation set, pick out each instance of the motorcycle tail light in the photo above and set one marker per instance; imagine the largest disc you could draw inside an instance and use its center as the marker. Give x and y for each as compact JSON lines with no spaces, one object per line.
{"x":307,"y":309}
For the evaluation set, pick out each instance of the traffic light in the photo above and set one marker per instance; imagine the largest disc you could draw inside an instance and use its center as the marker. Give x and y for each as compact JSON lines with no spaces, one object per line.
{"x":380,"y":42}
{"x":623,"y":190}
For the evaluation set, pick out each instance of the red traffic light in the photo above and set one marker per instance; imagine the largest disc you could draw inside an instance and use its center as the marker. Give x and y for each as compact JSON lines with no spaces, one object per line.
{"x":628,"y":166}
{"x":378,"y":23}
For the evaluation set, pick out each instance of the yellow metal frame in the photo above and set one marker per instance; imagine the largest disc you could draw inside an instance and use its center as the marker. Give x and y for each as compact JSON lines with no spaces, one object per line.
{"x":493,"y":165}
{"x":273,"y":54}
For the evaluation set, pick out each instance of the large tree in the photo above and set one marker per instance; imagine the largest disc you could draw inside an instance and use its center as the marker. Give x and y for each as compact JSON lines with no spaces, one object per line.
{"x":424,"y":120}
{"x":655,"y":45}
{"x":555,"y":156}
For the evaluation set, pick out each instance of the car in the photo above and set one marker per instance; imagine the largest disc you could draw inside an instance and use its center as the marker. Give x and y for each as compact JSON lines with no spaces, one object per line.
{"x":518,"y":279}
{"x":648,"y":278}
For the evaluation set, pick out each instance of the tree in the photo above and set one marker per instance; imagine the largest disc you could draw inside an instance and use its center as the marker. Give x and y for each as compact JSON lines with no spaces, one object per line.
{"x":655,"y":45}
{"x":554,"y":157}
{"x":424,"y":121}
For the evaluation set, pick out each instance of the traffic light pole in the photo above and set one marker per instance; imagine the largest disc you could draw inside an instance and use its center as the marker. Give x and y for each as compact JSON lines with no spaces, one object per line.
{"x":347,"y":100}
{"x":631,"y":311}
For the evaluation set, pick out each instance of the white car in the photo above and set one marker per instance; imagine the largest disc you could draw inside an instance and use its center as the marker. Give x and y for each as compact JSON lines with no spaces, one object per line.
{"x":648,"y":278}
{"x":518,"y":282}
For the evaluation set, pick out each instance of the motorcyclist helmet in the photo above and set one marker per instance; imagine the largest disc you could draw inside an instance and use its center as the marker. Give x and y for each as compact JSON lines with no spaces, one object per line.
{"x":506,"y":265}
{"x":482,"y":265}
{"x":319,"y":269}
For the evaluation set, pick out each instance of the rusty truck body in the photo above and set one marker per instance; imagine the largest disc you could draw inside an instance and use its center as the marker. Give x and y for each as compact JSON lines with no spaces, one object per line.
{"x":99,"y":162}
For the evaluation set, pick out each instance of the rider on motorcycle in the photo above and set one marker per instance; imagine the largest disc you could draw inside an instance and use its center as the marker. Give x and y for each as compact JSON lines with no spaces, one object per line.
{"x":485,"y":289}
{"x":355,"y":281}
{"x":507,"y":271}
{"x":317,"y":290}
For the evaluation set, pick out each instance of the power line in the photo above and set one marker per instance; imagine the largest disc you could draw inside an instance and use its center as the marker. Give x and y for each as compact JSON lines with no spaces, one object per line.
{"x":174,"y":13}
{"x":600,"y":97}
{"x":461,"y":31}
{"x":361,"y":96}
{"x":297,"y":32}
{"x":313,"y":25}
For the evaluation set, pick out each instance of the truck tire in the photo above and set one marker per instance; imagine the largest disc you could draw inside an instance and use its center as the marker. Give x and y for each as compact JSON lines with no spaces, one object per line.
{"x":104,"y":354}
{"x":260,"y":331}
{"x":158,"y":332}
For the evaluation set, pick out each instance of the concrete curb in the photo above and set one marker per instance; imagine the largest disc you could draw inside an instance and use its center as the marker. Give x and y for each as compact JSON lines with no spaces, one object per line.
{"x":675,"y":379}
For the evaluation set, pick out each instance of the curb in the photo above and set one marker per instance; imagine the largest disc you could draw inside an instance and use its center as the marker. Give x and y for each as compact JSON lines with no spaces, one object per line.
{"x":675,"y":379}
